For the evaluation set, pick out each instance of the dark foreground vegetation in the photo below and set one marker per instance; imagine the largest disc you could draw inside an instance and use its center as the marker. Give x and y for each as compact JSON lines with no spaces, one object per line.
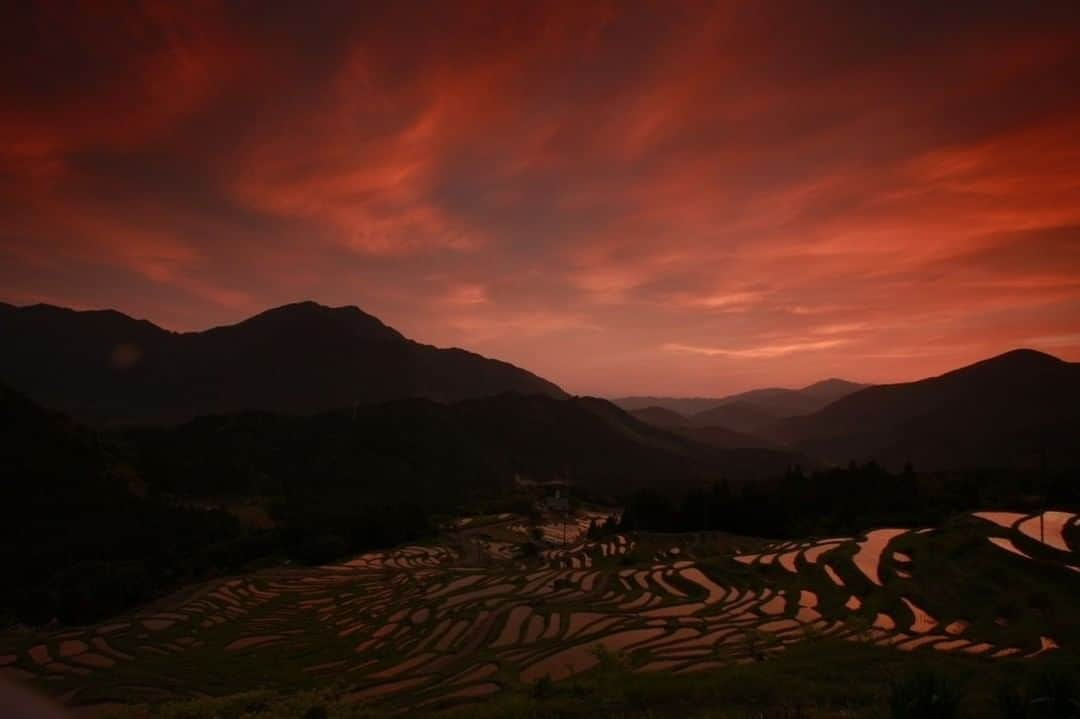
{"x":817,"y":679}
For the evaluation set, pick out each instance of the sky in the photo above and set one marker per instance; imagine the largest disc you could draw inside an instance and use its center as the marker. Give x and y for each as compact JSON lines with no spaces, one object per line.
{"x":626,"y":198}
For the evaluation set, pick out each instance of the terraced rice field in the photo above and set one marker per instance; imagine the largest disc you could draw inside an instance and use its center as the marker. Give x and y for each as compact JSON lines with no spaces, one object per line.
{"x":419,"y":626}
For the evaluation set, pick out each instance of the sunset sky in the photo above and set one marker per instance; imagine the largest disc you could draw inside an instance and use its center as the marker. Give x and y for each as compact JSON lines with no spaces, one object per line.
{"x":625,"y":198}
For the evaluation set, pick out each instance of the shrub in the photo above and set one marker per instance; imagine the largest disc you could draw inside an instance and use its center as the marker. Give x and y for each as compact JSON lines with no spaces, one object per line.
{"x":1049,"y":695}
{"x":1053,"y":695}
{"x":543,"y":688}
{"x":1012,"y":703}
{"x":317,"y":711}
{"x":608,"y":662}
{"x":924,"y":695}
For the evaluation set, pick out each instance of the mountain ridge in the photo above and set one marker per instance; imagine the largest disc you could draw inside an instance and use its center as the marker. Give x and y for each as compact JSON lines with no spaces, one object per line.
{"x":104,"y":367}
{"x":746,"y":412}
{"x":1018,"y":408}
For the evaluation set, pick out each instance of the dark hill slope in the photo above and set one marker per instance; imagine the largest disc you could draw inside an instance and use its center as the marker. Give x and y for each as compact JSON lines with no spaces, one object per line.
{"x":75,"y":541}
{"x":1019,"y":409}
{"x":425,"y":450}
{"x":715,"y":436}
{"x":747,"y":411}
{"x":741,"y":416}
{"x":660,"y":417}
{"x":44,"y":456}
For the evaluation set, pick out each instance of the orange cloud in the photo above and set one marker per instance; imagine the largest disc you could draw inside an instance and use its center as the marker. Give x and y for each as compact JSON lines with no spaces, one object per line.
{"x":762,"y":352}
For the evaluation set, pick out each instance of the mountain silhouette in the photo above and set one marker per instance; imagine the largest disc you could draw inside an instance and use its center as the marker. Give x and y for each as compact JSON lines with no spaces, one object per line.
{"x":661,"y":417}
{"x":686,"y":406}
{"x":746,"y":412}
{"x":712,"y":435}
{"x":1019,"y":409}
{"x":103,"y":367}
{"x":739,"y":416}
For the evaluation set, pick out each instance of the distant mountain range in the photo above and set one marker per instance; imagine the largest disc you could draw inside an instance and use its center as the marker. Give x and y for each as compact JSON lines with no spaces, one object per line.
{"x":1019,"y":409}
{"x":713,"y":435}
{"x":744,"y":413}
{"x":105,"y":368}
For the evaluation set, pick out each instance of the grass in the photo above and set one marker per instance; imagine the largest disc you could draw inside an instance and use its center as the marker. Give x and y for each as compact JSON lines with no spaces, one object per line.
{"x":819,"y":679}
{"x":924,"y":695}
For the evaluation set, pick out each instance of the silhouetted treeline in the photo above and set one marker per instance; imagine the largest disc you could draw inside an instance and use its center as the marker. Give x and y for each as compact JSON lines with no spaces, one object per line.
{"x":843,"y":500}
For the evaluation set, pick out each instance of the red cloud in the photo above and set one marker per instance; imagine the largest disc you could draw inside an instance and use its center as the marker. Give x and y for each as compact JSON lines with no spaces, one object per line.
{"x":685,"y":199}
